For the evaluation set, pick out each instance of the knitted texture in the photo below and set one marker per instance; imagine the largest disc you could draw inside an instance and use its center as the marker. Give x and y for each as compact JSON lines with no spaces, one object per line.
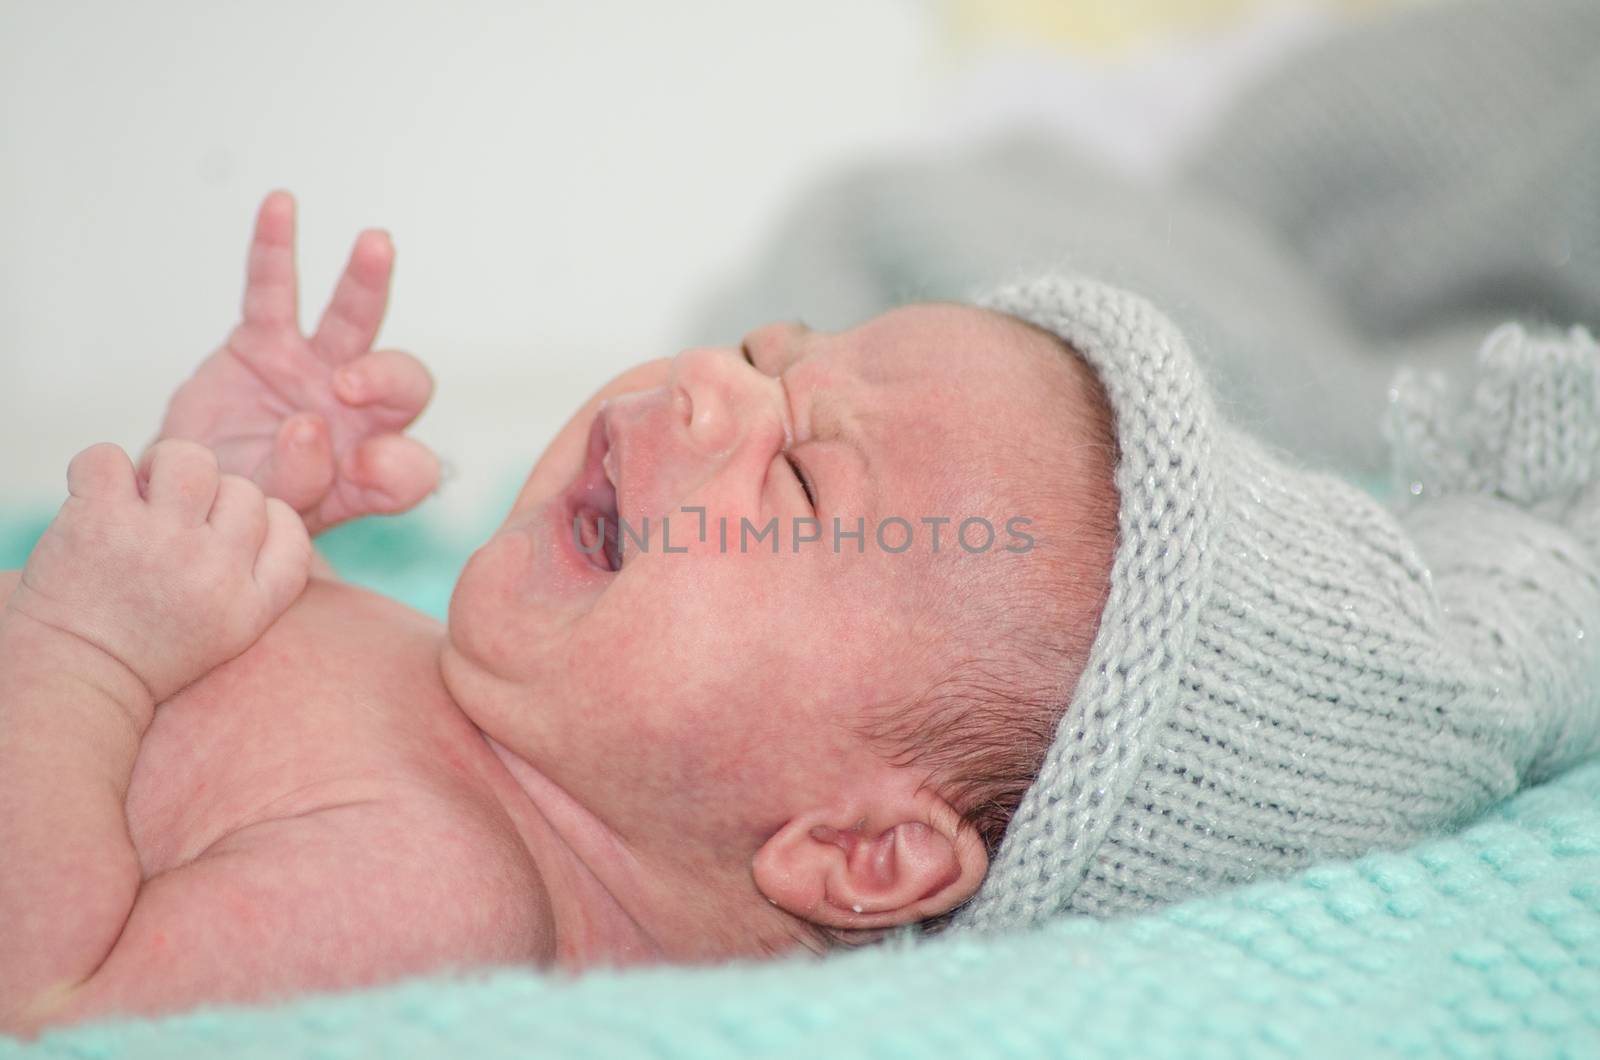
{"x":1279,"y":676}
{"x":1486,"y":943}
{"x":1500,"y":486}
{"x":1533,"y":433}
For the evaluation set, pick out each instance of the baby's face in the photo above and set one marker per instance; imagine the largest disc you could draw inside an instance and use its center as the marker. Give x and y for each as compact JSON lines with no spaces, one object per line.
{"x":707,"y":687}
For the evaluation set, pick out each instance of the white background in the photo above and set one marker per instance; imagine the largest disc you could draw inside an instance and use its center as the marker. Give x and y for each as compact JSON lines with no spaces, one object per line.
{"x":563,"y":181}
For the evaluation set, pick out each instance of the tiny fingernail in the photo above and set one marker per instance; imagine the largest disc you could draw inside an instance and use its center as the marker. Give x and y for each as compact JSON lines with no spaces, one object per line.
{"x":349,"y":382}
{"x":305,"y":432}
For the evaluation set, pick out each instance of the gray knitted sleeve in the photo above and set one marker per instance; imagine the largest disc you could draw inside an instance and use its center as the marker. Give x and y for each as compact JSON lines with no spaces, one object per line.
{"x":1498,"y":488}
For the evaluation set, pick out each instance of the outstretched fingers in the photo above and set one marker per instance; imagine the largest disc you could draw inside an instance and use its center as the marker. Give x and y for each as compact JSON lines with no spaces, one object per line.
{"x":271,"y":296}
{"x":350,"y":323}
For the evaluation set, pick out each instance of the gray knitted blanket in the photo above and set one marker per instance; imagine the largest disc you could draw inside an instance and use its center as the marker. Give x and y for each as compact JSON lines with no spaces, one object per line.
{"x":1388,"y":196}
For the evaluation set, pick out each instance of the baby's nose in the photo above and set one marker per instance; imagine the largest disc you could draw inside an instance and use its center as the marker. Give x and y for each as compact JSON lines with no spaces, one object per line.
{"x":722,"y":399}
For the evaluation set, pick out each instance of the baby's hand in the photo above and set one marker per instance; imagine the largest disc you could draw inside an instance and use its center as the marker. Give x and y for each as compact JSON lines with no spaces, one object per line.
{"x":315,"y":422}
{"x":171,"y":571}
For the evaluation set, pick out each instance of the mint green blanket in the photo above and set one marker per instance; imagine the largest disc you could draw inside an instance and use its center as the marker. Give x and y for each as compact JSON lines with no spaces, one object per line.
{"x":1483,"y":944}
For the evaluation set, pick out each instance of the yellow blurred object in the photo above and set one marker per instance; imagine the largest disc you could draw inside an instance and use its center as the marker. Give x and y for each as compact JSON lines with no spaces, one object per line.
{"x":1104,"y":27}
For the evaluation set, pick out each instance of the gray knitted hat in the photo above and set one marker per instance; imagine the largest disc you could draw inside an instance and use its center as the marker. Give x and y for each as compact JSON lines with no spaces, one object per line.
{"x":1286,"y":670}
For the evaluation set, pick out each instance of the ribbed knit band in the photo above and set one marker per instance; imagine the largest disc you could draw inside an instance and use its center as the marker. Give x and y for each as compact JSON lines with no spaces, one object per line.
{"x":1161,"y":574}
{"x":1274,"y":680}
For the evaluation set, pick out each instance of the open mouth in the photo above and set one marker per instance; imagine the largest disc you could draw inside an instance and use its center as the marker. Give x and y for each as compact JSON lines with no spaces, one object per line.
{"x":594,"y":514}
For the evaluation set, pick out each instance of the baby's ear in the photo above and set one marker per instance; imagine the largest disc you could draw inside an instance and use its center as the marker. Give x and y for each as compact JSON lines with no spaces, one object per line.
{"x":864,"y":866}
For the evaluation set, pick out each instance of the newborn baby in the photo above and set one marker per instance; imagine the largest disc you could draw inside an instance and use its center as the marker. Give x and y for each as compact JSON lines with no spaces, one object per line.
{"x":814,"y":702}
{"x":219,"y":787}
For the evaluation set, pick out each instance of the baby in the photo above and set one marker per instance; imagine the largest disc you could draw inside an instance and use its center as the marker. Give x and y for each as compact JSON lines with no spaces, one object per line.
{"x":1087,"y":648}
{"x":221,"y":787}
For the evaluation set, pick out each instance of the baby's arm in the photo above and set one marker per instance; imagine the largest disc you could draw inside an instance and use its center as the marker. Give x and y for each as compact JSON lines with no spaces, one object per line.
{"x":379,"y":881}
{"x":314,"y":421}
{"x":143,"y":583}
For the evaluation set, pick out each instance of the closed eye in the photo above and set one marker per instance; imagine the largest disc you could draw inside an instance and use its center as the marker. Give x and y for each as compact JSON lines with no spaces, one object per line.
{"x":794,"y":465}
{"x":805,"y":484}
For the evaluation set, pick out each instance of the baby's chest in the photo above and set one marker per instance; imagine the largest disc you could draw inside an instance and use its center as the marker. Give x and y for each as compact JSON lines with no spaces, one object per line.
{"x":307,"y":718}
{"x":302,"y":850}
{"x":341,"y":814}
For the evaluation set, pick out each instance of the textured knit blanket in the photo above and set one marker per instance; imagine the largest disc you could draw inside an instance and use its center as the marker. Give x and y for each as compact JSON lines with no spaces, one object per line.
{"x":1486,"y":943}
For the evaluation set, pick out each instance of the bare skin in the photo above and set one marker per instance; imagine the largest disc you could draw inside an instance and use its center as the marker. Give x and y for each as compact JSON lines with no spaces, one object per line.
{"x":586,"y":766}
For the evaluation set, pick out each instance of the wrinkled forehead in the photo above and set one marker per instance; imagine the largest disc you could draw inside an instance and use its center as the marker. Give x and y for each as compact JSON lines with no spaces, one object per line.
{"x":949,"y":400}
{"x":966,"y":414}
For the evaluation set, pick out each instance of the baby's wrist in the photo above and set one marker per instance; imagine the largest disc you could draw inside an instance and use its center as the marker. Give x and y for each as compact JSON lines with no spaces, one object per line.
{"x":31,"y":647}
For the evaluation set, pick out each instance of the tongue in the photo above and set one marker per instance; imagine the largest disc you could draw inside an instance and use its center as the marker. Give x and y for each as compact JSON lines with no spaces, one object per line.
{"x":588,"y":531}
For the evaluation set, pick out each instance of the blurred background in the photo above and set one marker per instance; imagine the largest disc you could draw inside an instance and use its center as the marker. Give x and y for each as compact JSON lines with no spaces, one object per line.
{"x":567,"y":184}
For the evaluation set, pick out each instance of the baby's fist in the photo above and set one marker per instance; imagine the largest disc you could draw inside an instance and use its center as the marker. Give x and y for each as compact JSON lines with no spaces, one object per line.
{"x":171,"y":570}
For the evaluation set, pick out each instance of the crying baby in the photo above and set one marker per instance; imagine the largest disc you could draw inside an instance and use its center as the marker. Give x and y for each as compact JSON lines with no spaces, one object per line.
{"x":965,"y":617}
